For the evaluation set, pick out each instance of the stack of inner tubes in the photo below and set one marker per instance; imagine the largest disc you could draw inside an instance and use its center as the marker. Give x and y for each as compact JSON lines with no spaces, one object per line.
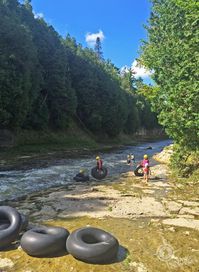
{"x":99,"y":174}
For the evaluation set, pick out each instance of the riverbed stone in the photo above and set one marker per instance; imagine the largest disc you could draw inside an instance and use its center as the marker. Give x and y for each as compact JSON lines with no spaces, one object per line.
{"x":173,"y":206}
{"x":148,"y":192}
{"x":189,"y":216}
{"x":189,"y":203}
{"x":194,"y":211}
{"x":140,"y":267}
{"x":182,"y":222}
{"x":139,"y":207}
{"x":6,"y":263}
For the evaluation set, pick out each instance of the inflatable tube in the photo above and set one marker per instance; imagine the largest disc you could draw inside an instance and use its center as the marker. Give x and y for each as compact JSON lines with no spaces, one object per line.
{"x":10,"y":231}
{"x":139,"y":171}
{"x":4,"y":225}
{"x":45,"y":241}
{"x":99,"y":174}
{"x":81,"y":179}
{"x":92,"y":245}
{"x":4,"y":222}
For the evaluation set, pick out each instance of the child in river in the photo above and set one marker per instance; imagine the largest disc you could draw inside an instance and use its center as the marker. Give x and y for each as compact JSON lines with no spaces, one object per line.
{"x":130,"y":159}
{"x":146,"y":168}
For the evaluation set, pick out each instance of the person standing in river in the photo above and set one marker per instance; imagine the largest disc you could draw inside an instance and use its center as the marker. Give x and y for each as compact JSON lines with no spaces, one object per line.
{"x":99,"y":164}
{"x":146,"y":168}
{"x":130,"y":159}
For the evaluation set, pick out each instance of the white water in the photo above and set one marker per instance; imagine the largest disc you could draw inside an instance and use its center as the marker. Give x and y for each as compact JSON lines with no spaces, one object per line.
{"x":18,"y":183}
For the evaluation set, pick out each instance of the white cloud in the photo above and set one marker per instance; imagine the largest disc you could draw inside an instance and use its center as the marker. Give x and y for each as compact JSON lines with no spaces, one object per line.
{"x":140,"y":71}
{"x":91,"y":37}
{"x":38,"y":15}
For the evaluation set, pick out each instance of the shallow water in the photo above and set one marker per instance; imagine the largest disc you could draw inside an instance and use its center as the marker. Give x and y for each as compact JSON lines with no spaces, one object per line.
{"x":17,"y":183}
{"x":144,"y":247}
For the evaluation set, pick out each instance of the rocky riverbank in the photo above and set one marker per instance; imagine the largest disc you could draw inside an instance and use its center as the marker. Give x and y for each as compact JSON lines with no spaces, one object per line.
{"x":156,"y":224}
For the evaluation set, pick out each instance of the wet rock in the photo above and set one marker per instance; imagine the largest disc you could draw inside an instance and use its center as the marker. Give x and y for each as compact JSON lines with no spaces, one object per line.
{"x":48,"y":210}
{"x":6,"y":263}
{"x":149,"y":147}
{"x":182,"y":222}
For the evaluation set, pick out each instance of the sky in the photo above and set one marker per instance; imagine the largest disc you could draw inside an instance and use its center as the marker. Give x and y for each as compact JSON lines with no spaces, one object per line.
{"x":118,"y":23}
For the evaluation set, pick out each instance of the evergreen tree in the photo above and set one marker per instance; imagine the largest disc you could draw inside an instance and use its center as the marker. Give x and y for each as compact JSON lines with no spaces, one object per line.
{"x":19,"y":71}
{"x":98,"y":48}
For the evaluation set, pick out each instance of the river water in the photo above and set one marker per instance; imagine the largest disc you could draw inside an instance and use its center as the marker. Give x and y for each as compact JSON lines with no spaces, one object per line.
{"x":17,"y":183}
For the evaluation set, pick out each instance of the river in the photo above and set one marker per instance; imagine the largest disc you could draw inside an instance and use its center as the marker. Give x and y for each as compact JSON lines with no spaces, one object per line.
{"x":17,"y":183}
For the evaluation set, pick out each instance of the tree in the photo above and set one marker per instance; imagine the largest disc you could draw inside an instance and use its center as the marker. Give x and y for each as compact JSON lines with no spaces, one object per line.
{"x":98,"y":49}
{"x":19,"y":68}
{"x":172,"y":53}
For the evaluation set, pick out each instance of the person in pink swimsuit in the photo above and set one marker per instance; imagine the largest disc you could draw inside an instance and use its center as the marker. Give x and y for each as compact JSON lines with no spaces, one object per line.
{"x":146,"y":169}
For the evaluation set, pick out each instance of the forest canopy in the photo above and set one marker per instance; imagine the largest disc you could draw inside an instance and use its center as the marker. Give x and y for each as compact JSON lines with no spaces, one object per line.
{"x":47,"y":80}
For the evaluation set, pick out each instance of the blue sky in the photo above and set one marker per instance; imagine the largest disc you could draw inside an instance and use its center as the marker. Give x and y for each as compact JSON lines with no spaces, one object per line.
{"x":120,"y":22}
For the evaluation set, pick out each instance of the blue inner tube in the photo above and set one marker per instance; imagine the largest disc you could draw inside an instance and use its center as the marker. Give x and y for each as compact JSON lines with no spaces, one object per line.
{"x":99,"y":174}
{"x":45,"y":241}
{"x":92,"y":245}
{"x":10,"y":227}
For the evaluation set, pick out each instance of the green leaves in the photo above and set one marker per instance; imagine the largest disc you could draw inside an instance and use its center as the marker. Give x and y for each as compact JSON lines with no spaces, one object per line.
{"x":172,"y":52}
{"x":46,"y":80}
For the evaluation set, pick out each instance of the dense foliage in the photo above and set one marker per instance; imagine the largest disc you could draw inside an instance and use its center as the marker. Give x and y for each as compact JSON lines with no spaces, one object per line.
{"x":46,"y":80}
{"x":172,"y":53}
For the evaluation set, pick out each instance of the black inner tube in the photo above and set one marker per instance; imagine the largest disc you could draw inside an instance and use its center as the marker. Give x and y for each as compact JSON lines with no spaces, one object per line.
{"x":9,"y":230}
{"x":92,"y":245}
{"x":99,"y":174}
{"x":45,"y":241}
{"x":139,"y":171}
{"x":5,"y":222}
{"x":81,"y":179}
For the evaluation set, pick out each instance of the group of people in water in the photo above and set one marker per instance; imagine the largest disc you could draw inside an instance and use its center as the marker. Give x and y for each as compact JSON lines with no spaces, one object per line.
{"x":83,"y":175}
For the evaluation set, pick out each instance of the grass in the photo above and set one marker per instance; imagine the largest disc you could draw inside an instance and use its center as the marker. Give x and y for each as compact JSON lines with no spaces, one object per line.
{"x":32,"y":143}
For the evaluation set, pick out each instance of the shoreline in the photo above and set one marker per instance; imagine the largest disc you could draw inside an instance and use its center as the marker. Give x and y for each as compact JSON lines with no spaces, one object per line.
{"x":24,"y":160}
{"x":149,"y":221}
